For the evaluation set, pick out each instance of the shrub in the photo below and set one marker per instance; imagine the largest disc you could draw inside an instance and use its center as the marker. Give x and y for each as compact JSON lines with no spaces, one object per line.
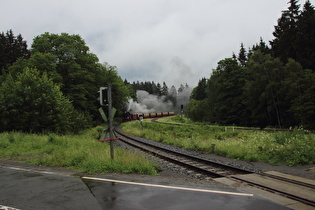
{"x":33,"y":103}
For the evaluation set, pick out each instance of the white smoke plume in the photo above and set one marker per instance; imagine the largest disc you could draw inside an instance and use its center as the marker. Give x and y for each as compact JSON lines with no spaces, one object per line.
{"x":148,"y":103}
{"x":183,"y":97}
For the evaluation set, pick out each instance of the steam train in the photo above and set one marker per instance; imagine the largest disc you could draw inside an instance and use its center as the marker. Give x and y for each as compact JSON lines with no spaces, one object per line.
{"x":128,"y":116}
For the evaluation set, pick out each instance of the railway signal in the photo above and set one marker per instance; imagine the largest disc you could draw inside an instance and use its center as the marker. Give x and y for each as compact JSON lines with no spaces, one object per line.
{"x":181,"y":111}
{"x":103,"y":96}
{"x":106,"y":100}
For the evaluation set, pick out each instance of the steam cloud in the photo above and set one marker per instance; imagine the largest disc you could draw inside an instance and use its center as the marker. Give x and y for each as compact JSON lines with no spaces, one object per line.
{"x":148,"y":103}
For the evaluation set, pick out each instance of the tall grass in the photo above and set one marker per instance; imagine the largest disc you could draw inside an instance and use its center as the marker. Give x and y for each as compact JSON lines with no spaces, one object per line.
{"x":292,"y":148}
{"x":80,"y":152}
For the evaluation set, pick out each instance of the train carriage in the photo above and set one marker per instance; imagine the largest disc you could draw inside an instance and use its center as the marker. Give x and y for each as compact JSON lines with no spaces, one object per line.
{"x":128,"y":116}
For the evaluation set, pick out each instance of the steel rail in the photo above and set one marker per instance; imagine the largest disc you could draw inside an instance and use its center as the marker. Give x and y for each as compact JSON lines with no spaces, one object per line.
{"x":273,"y":190}
{"x":289,"y":180}
{"x":204,"y":169}
{"x":216,"y":174}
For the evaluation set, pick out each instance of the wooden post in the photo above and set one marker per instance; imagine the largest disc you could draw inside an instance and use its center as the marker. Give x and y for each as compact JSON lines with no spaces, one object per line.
{"x":212,"y":148}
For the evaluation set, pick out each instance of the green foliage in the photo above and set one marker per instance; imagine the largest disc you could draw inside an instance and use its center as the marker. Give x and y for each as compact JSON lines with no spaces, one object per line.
{"x":44,"y":62}
{"x":225,"y":101}
{"x":33,"y":103}
{"x":66,"y":62}
{"x":293,"y":148}
{"x":120,"y":91}
{"x":197,"y":110}
{"x":304,"y":37}
{"x":283,"y":44}
{"x":74,"y":64}
{"x":80,"y":152}
{"x":78,"y":71}
{"x":294,"y":34}
{"x":11,"y":48}
{"x":265,"y":92}
{"x":199,"y":92}
{"x":303,"y":100}
{"x":242,"y":57}
{"x":262,"y":89}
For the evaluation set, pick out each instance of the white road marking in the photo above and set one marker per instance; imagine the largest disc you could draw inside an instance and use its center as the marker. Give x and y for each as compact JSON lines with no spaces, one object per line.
{"x":169,"y":187}
{"x":32,"y":170}
{"x":7,"y":208}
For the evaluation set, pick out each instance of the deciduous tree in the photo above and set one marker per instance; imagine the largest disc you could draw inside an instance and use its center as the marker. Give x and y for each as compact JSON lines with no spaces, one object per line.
{"x":32,"y":102}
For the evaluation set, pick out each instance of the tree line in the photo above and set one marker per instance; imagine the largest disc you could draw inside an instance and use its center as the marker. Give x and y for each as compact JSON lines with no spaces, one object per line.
{"x":268,"y":85}
{"x":53,"y":86}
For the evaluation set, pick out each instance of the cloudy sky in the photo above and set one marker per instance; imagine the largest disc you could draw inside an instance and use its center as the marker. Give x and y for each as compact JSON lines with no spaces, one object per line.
{"x":176,"y":41}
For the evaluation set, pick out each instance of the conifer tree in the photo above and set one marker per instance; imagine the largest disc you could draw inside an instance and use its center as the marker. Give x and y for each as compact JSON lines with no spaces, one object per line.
{"x":173,"y":95}
{"x":159,"y":89}
{"x":164,"y":89}
{"x":242,"y":58}
{"x":11,"y":48}
{"x":285,"y":33}
{"x":199,"y":92}
{"x":262,"y":47}
{"x":305,"y":41}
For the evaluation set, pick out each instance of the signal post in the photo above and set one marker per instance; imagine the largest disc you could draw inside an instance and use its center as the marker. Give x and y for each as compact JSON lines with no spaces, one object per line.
{"x":106,"y":101}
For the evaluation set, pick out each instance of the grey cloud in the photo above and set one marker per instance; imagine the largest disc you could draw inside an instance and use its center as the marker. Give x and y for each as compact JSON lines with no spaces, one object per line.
{"x":143,"y":37}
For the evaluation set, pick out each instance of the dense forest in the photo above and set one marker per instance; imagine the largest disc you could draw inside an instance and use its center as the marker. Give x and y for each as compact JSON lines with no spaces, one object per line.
{"x":268,"y":85}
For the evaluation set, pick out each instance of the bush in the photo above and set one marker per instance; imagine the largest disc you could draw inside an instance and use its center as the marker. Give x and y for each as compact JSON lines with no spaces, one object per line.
{"x":33,"y":103}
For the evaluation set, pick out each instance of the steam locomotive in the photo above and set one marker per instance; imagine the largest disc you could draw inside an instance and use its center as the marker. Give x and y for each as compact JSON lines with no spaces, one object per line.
{"x":128,"y":116}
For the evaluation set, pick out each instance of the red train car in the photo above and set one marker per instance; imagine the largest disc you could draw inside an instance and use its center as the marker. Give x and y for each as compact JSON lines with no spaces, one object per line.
{"x":127,"y":116}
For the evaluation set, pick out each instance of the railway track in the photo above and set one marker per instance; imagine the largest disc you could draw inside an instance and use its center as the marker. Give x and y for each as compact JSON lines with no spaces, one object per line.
{"x":295,"y":188}
{"x":200,"y":165}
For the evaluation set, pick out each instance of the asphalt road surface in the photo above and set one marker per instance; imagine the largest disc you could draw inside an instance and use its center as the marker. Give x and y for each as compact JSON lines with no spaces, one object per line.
{"x":24,"y":189}
{"x":27,"y":189}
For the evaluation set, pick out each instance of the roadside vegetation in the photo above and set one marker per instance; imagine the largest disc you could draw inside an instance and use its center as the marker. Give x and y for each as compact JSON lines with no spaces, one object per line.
{"x":81,"y":152}
{"x":295,"y":147}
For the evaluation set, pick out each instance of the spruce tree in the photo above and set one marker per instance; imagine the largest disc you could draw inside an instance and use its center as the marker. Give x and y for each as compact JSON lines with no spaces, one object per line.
{"x":305,"y":39}
{"x":11,"y":48}
{"x":242,"y":58}
{"x":164,"y":89}
{"x":285,"y":33}
{"x":158,"y":89}
{"x":262,"y":47}
{"x":199,"y":92}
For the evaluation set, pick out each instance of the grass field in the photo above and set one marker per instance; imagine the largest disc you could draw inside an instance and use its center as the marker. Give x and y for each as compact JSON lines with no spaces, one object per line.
{"x":80,"y":152}
{"x":296,"y":147}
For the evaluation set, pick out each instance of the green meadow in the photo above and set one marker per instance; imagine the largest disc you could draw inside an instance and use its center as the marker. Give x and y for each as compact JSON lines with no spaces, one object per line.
{"x":82,"y":153}
{"x":294,"y":147}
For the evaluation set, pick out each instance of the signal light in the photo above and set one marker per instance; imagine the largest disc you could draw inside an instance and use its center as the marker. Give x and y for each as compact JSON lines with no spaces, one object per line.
{"x":103,"y":96}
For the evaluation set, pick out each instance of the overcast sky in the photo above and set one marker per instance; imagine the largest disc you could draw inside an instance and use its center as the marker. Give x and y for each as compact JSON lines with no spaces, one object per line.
{"x":176,"y":41}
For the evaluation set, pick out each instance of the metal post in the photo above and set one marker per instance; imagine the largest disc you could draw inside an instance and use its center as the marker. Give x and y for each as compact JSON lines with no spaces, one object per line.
{"x":110,"y":121}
